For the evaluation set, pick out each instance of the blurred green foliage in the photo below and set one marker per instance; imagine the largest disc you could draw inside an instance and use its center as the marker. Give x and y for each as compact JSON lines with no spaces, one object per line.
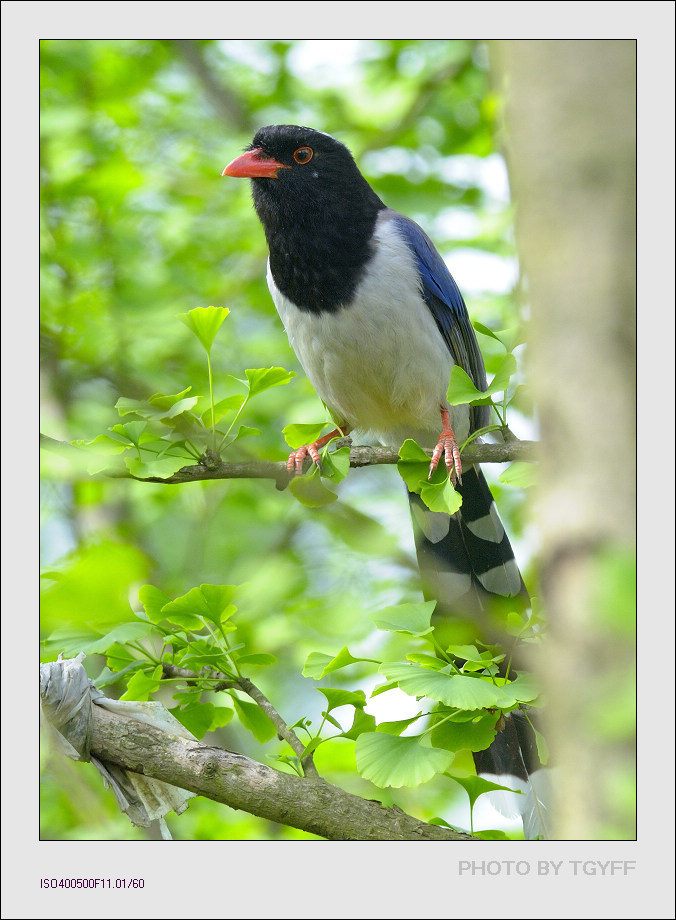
{"x":137,"y":227}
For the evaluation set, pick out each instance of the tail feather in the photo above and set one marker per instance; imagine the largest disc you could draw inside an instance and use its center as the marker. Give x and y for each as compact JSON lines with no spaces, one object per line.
{"x":467,"y":565}
{"x":466,"y":561}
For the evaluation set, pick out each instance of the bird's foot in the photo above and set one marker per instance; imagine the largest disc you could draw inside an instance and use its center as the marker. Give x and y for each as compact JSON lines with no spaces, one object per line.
{"x":297,"y":457}
{"x":448,"y":446}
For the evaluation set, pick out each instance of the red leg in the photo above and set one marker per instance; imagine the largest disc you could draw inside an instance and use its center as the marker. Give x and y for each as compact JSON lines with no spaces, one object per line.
{"x":297,"y":457}
{"x":448,"y":446}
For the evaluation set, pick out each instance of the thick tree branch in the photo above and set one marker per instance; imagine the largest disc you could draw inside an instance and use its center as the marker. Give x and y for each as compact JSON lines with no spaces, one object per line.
{"x":309,"y":803}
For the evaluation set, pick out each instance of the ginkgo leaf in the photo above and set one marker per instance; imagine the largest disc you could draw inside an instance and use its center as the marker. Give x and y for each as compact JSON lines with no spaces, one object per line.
{"x":392,"y":760}
{"x":205,"y":323}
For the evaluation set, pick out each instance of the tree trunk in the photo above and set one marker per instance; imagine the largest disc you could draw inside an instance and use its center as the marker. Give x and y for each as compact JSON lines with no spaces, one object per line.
{"x":570,"y":137}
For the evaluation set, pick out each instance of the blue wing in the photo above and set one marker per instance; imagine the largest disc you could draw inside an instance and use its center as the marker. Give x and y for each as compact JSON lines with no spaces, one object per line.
{"x":443,"y":297}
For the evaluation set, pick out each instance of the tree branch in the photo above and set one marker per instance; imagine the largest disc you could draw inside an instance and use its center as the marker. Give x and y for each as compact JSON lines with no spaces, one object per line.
{"x":308,"y":803}
{"x":212,"y":467}
{"x":359,"y":457}
{"x":284,"y":733}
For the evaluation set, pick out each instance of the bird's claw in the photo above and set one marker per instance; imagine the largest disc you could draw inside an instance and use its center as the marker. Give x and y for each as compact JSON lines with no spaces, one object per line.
{"x":297,"y":458}
{"x":448,"y":446}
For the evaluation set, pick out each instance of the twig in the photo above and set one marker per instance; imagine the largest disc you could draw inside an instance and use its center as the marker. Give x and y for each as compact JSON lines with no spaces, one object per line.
{"x":246,"y":686}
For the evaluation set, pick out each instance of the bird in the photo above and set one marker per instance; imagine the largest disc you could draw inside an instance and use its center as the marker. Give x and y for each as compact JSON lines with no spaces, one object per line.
{"x":377,"y":323}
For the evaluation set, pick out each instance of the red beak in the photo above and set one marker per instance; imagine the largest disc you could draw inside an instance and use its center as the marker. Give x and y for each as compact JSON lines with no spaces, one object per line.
{"x":253,"y":165}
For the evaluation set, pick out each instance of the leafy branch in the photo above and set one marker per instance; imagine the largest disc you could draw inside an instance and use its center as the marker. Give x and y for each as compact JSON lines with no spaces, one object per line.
{"x":191,"y":645}
{"x":158,"y":435}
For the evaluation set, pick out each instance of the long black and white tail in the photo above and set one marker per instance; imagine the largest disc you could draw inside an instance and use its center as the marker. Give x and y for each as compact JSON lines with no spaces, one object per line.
{"x":468,"y":567}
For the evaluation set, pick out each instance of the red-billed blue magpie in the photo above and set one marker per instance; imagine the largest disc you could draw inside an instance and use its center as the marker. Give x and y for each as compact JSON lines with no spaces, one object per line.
{"x":377,"y":323}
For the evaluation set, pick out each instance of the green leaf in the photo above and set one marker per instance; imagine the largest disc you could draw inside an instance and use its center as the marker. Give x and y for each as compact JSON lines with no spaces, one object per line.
{"x":396,"y":728}
{"x":519,"y":474}
{"x":289,"y":761}
{"x":104,"y":450}
{"x":335,"y":722}
{"x":260,"y":659}
{"x":429,"y":661}
{"x":311,"y":491}
{"x":263,"y":378}
{"x":200,"y":718}
{"x":500,"y":381}
{"x":335,"y":464}
{"x":473,"y":659}
{"x":337,"y":698}
{"x":441,"y":496}
{"x":413,"y":619}
{"x":437,"y":493}
{"x":475,"y":786}
{"x":318,"y":665}
{"x":439,"y":822}
{"x":222,"y":407}
{"x":165,"y":403}
{"x":413,"y":465}
{"x":542,"y":746}
{"x":118,"y":658}
{"x":205,"y":323}
{"x":179,"y":408}
{"x":516,"y":623}
{"x":484,"y":330}
{"x":475,"y":735}
{"x":125,"y":632}
{"x":132,"y":431}
{"x":159,"y":406}
{"x":209,"y":601}
{"x":244,"y":431}
{"x":153,"y":601}
{"x":299,"y":435}
{"x":391,"y":760}
{"x":508,"y":338}
{"x":383,"y":688}
{"x":142,"y":684}
{"x":202,"y":653}
{"x":156,"y":460}
{"x":524,"y":689}
{"x":466,"y":652}
{"x":491,"y":835}
{"x":362,"y":722}
{"x":314,"y":743}
{"x":461,"y":390}
{"x":253,"y":718}
{"x":458,"y":691}
{"x":104,"y":443}
{"x":126,"y":406}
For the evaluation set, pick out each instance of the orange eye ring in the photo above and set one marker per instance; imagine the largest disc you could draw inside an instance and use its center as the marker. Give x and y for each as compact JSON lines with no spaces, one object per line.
{"x":303,"y":155}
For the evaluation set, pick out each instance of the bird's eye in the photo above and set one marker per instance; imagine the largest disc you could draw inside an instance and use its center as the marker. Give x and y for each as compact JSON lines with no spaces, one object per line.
{"x":303,"y":155}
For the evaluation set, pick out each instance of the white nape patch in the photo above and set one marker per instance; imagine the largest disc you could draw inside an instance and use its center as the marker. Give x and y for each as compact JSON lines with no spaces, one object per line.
{"x":503,"y":579}
{"x":379,"y":364}
{"x":488,"y":527}
{"x":453,"y":584}
{"x":434,"y":524}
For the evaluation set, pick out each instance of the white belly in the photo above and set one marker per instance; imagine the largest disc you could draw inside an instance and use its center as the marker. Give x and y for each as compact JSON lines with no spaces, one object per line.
{"x":380,"y":366}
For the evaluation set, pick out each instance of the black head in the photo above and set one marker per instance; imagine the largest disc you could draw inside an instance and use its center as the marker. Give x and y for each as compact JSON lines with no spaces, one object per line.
{"x":317,"y":210}
{"x":301,"y":169}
